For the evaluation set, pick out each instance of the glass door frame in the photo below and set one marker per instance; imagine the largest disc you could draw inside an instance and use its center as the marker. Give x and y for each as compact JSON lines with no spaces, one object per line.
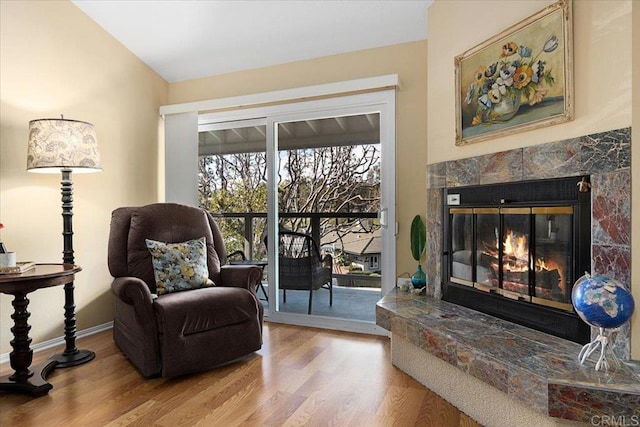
{"x":381,"y":102}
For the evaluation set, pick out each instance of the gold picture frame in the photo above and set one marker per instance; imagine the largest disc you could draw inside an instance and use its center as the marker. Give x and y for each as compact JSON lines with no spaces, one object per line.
{"x":518,"y":80}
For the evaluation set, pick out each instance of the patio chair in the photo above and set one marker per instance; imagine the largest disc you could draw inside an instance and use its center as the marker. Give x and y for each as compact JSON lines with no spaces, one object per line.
{"x":239,"y":258}
{"x":300,"y":266}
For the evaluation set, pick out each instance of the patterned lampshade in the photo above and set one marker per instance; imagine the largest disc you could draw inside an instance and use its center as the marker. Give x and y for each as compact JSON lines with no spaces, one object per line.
{"x":56,"y":144}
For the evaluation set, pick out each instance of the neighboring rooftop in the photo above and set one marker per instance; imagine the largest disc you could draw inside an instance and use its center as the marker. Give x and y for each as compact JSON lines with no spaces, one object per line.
{"x":356,"y":243}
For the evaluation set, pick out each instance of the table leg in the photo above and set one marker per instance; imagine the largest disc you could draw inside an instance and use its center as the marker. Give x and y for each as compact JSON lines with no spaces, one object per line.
{"x":24,"y":379}
{"x":264,"y":291}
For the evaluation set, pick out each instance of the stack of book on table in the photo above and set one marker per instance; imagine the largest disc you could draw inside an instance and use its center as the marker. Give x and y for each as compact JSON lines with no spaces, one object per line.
{"x":20,"y":267}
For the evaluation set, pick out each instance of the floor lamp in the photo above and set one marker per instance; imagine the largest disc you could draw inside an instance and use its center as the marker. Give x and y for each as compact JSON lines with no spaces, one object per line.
{"x":61,"y":145}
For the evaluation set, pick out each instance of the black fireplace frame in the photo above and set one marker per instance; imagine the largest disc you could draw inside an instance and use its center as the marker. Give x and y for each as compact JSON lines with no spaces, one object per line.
{"x":548,"y":192}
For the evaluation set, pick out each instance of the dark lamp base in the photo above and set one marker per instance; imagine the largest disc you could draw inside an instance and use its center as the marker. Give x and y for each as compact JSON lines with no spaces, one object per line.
{"x":78,"y":357}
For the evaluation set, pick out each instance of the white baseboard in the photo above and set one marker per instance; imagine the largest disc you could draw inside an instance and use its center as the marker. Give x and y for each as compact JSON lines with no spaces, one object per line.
{"x":4,"y":357}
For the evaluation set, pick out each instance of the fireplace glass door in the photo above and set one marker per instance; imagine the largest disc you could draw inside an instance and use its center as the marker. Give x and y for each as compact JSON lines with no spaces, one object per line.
{"x":488,"y":241}
{"x":553,"y":248}
{"x":515,"y":252}
{"x":462,"y":246}
{"x":522,"y":253}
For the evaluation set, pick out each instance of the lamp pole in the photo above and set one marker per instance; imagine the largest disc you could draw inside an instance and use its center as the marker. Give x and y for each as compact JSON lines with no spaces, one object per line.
{"x":71,"y":355}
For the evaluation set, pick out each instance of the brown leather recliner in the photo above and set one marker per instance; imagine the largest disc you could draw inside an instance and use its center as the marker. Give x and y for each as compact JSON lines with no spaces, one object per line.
{"x":181,"y":332}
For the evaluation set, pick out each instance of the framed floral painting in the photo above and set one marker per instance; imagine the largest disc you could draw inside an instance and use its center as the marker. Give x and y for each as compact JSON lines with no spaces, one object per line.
{"x":518,"y":80}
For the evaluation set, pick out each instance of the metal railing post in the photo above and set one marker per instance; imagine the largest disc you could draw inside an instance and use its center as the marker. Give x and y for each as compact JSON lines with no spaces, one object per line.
{"x":248,"y":235}
{"x":315,"y":229}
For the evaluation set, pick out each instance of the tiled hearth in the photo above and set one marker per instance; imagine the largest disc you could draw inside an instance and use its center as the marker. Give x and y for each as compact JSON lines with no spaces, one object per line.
{"x":605,"y":157}
{"x":534,"y":368}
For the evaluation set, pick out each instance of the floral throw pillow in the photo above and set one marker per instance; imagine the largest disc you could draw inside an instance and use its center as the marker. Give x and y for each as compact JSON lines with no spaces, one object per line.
{"x":179,"y":266}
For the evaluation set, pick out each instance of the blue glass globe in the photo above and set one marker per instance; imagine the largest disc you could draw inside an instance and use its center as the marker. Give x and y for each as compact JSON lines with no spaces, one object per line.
{"x":601,"y":301}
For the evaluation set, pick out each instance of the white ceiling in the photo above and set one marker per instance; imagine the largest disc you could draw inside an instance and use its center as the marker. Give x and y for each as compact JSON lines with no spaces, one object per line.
{"x":188,"y":39}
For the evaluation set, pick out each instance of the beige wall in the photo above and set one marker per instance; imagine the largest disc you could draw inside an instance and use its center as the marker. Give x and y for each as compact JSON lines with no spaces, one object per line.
{"x":602,"y":44}
{"x":408,"y":60}
{"x":55,"y":60}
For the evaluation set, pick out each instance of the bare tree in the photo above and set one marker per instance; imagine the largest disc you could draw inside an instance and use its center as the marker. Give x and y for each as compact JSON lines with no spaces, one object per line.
{"x":331,"y":179}
{"x":320,"y":180}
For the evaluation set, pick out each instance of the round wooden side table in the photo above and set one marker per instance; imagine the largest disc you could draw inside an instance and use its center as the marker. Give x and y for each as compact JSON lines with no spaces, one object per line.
{"x":24,"y":379}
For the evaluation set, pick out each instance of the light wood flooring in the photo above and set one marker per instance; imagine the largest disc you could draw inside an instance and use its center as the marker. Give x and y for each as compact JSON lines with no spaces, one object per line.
{"x":300,"y":377}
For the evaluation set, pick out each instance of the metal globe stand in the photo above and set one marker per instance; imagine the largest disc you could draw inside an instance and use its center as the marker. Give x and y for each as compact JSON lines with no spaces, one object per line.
{"x":600,"y":341}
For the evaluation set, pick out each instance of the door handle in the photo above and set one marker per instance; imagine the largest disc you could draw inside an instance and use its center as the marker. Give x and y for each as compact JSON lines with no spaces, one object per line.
{"x":382,"y":217}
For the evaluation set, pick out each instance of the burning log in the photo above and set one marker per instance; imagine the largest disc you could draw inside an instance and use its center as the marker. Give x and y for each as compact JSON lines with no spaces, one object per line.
{"x":517,"y":271}
{"x":516,"y":277}
{"x":547,"y":279}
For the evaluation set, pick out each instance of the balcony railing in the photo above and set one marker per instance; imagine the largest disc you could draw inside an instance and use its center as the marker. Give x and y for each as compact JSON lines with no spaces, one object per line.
{"x":314,"y":222}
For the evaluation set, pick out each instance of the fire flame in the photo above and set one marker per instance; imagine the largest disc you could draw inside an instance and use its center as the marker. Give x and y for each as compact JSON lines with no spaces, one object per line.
{"x":516,"y":246}
{"x":541,"y":265}
{"x":515,"y":259}
{"x":516,"y":252}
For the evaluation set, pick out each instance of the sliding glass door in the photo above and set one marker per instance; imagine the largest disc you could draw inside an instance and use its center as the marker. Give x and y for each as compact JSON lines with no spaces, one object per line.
{"x":232,"y":185}
{"x":329,"y":241}
{"x":307,"y":191}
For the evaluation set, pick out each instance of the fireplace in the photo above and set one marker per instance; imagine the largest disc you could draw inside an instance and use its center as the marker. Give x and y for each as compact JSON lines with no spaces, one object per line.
{"x":514,"y":251}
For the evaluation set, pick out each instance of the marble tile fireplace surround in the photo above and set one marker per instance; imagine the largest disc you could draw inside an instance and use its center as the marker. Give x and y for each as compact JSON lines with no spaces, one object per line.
{"x":498,"y":372}
{"x":605,"y":157}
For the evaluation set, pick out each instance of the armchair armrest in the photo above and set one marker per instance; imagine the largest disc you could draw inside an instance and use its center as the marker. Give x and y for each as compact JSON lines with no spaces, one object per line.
{"x":135,"y":293}
{"x":131,"y":290}
{"x":240,"y":276}
{"x":135,"y":330}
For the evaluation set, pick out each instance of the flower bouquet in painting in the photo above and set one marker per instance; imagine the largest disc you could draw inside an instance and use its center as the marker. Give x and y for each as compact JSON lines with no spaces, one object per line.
{"x":500,"y":87}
